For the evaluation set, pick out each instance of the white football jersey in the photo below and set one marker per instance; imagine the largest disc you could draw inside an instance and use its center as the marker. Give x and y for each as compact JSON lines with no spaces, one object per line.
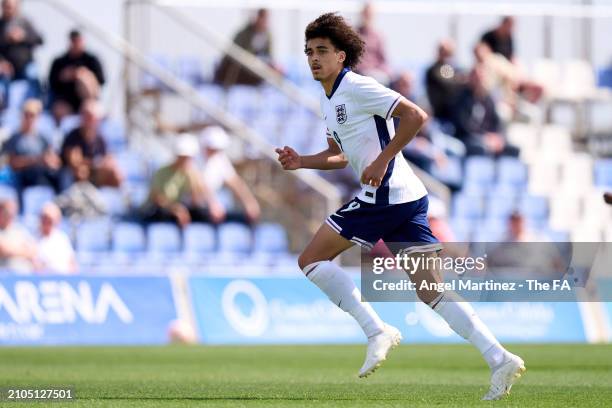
{"x":358,"y":118}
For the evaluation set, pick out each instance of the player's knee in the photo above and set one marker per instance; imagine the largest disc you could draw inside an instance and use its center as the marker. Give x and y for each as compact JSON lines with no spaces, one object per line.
{"x":304,"y":260}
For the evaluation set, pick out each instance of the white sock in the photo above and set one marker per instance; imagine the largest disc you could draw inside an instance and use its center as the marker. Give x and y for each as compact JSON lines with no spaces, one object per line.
{"x":462,"y":318}
{"x":341,"y":290}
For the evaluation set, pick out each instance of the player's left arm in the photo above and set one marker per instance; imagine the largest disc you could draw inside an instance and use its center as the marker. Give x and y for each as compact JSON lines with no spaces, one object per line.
{"x":412,"y":118}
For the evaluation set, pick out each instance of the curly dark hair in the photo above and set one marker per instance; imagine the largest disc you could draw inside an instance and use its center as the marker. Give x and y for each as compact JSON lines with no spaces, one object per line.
{"x":341,"y":35}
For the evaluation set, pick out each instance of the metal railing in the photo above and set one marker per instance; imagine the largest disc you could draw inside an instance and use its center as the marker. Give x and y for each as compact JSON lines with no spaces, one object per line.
{"x":191,"y":95}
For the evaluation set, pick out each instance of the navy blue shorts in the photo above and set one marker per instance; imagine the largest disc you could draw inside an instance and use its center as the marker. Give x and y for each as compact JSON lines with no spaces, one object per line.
{"x":365,"y":224}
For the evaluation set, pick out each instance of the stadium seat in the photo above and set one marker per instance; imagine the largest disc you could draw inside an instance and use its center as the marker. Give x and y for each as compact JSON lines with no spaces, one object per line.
{"x":114,"y":200}
{"x":114,"y":134}
{"x":465,"y":206}
{"x":500,"y":206}
{"x":604,"y":78}
{"x":189,"y":69}
{"x":532,"y":206}
{"x":7,"y":192}
{"x":603,"y":173}
{"x":579,"y":79}
{"x":234,"y":237}
{"x":163,"y":238}
{"x":243,"y":101}
{"x":93,"y":235}
{"x":548,"y":73}
{"x":148,"y":81}
{"x":462,"y":228}
{"x":199,"y":238}
{"x":270,"y":238}
{"x":133,"y":166}
{"x":69,"y":123}
{"x":18,"y":92}
{"x":128,"y":238}
{"x":480,"y":169}
{"x":35,"y":197}
{"x":511,"y":171}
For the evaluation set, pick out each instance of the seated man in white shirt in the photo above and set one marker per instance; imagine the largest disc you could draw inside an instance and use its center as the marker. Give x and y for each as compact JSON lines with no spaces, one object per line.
{"x":219,"y":172}
{"x":55,"y":251}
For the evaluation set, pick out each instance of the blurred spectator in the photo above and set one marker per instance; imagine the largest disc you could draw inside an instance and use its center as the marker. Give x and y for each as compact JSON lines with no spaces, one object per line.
{"x":177,"y":193}
{"x":18,"y":37}
{"x":74,"y":77}
{"x":518,"y":231}
{"x":255,"y":38}
{"x":374,"y":60}
{"x":219,"y":172}
{"x":82,"y":200}
{"x":438,"y":222}
{"x":504,"y":79}
{"x":431,"y":147}
{"x":443,"y":82}
{"x":55,"y":251}
{"x":17,"y":247}
{"x":30,"y":155}
{"x":476,"y":120}
{"x":85,"y":146}
{"x":499,"y":39}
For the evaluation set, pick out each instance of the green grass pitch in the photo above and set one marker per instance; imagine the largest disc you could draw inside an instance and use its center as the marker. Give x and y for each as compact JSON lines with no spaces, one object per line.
{"x":300,"y":376}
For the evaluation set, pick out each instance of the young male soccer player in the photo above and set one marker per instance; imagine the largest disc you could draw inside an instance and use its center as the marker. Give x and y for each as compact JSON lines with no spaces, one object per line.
{"x":392,"y":204}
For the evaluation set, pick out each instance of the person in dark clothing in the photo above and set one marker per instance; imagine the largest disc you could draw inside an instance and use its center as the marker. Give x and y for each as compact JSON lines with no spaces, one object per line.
{"x":256,"y":39}
{"x":18,"y":38}
{"x":443,"y":82}
{"x":500,"y":39}
{"x":476,"y":121}
{"x":84,"y":146}
{"x":75,"y":76}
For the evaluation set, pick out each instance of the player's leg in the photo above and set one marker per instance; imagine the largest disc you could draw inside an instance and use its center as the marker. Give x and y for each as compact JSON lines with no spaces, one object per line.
{"x":316,"y":263}
{"x":459,"y":314}
{"x":461,"y":317}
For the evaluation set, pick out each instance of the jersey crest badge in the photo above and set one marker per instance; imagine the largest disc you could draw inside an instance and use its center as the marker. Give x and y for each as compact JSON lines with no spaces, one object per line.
{"x":340,"y":114}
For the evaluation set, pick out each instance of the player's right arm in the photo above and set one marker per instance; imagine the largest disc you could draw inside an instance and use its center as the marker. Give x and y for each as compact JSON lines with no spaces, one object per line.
{"x":329,"y":159}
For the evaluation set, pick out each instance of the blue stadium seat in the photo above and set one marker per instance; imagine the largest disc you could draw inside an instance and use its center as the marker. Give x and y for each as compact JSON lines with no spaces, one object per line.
{"x":128,"y":238}
{"x":114,"y":200}
{"x":234,"y":237}
{"x":199,"y":238}
{"x":480,"y":169}
{"x":270,"y":238}
{"x":500,"y":206}
{"x":35,"y":197}
{"x":534,"y":207}
{"x":604,"y":78}
{"x":467,"y":206}
{"x":93,"y":235}
{"x":8,"y":192}
{"x":603,"y":173}
{"x":148,"y":81}
{"x":189,"y":69}
{"x":462,"y":228}
{"x":69,"y":123}
{"x":114,"y":134}
{"x":511,"y":171}
{"x":163,"y":238}
{"x":18,"y":92}
{"x":133,"y":166}
{"x":243,"y":101}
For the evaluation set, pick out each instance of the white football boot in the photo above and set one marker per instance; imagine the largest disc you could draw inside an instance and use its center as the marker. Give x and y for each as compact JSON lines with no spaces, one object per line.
{"x":379,"y":347}
{"x":504,"y":376}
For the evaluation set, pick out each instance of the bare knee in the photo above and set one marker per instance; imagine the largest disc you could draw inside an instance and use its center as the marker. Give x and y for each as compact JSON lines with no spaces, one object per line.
{"x":304,"y":260}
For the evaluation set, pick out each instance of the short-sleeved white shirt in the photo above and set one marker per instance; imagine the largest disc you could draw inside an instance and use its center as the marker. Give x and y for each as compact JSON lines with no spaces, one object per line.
{"x":358,"y":118}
